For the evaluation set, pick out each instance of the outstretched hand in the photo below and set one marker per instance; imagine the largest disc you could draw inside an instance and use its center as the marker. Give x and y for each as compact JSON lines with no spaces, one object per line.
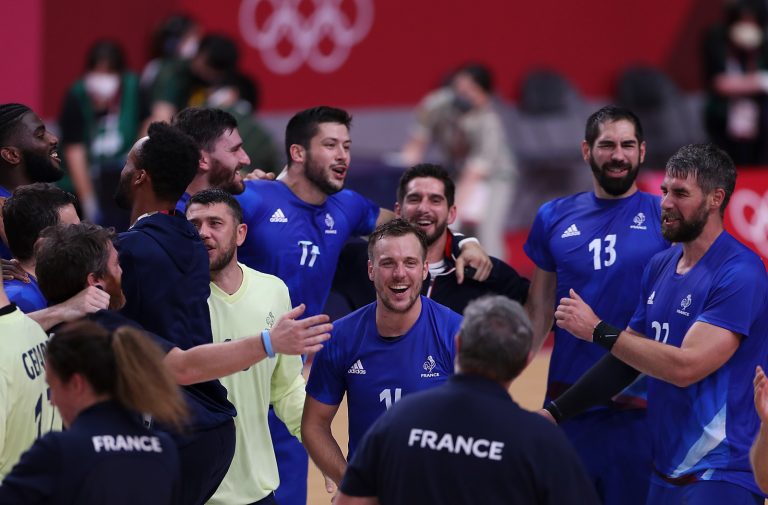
{"x":300,"y":336}
{"x":576,"y":317}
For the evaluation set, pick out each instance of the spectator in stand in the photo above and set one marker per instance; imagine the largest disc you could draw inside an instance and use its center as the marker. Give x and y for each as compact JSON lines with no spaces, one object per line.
{"x":462,"y":120}
{"x":99,"y":122}
{"x":736,"y":72}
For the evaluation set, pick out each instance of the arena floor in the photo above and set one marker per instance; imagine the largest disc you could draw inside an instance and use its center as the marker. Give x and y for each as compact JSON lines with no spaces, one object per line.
{"x":527,"y":390}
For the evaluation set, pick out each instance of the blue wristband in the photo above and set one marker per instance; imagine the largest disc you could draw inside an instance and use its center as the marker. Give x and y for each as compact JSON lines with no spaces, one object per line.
{"x":267,"y":343}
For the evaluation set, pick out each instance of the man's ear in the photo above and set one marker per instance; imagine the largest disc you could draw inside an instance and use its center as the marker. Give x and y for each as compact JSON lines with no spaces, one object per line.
{"x":92,"y":280}
{"x":10,"y":155}
{"x":205,"y":161}
{"x":397,"y":210}
{"x":370,"y":270}
{"x":298,"y":153}
{"x":242,"y":231}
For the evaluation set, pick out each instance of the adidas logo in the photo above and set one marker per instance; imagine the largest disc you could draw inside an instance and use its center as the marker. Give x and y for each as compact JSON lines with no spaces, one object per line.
{"x":357,"y":368}
{"x":571,"y":231}
{"x":278,"y":217}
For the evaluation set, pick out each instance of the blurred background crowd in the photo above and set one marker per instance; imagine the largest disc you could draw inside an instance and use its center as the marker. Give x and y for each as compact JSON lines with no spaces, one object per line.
{"x":509,"y":133}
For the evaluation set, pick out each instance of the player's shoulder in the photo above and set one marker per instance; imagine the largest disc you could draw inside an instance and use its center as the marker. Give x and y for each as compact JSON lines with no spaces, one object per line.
{"x":354,"y":319}
{"x":565,"y":205}
{"x":264,"y":279}
{"x":347,"y":198}
{"x":737,"y":258}
{"x":440,"y":312}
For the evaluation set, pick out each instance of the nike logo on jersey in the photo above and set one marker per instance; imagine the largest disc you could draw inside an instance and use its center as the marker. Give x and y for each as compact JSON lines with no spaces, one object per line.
{"x":278,"y":217}
{"x":571,"y":231}
{"x":357,"y":368}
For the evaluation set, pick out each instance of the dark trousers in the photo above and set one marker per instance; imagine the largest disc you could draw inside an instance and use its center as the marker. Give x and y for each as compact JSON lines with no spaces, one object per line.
{"x":204,"y":458}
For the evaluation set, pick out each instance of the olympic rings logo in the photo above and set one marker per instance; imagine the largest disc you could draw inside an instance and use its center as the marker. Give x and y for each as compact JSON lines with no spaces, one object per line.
{"x":749,"y":215}
{"x":327,"y":22}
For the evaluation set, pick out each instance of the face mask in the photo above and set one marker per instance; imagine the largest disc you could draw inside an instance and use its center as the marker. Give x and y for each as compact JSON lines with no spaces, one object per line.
{"x":188,"y":48}
{"x":102,"y":87}
{"x":461,"y":104}
{"x":746,"y":35}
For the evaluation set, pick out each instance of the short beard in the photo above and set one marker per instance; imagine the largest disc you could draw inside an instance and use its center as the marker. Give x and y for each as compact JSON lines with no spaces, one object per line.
{"x":122,"y":196}
{"x":611,"y":185}
{"x":40,"y":168}
{"x":398,"y":310}
{"x":224,"y":259}
{"x":229,"y":185}
{"x":315,"y":175}
{"x":439,"y":231}
{"x":687,"y":231}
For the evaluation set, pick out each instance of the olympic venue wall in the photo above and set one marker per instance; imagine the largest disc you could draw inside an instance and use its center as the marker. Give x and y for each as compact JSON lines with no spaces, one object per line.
{"x":365,"y":53}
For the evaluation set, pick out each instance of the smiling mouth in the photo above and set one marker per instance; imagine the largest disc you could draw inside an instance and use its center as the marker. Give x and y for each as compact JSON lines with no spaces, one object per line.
{"x":55,"y":156}
{"x":399,"y":289}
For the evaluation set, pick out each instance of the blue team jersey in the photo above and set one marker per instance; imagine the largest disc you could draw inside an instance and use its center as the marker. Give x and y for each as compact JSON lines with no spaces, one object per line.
{"x":374,"y":371}
{"x":181,"y":205}
{"x":26,"y":296}
{"x":598,"y":247}
{"x":298,"y":242}
{"x":5,"y":253}
{"x":707,"y":428}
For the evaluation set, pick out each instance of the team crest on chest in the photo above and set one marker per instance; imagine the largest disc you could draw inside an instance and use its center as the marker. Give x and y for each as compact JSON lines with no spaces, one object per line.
{"x":329,"y":223}
{"x":684,"y":304}
{"x":639,"y":222}
{"x":428,"y":366}
{"x":270,"y":319}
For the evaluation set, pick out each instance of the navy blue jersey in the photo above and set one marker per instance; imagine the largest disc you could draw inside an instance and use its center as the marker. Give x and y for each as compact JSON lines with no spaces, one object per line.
{"x":599,"y":248}
{"x":26,"y":295}
{"x":298,"y":242}
{"x":106,"y":456}
{"x":166,"y":279}
{"x":466,"y":442}
{"x":375,"y":372}
{"x":707,"y":428}
{"x":5,"y":253}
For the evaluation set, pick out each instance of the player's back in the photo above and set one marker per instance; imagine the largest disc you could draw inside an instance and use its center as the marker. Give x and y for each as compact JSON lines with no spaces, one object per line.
{"x":27,"y":413}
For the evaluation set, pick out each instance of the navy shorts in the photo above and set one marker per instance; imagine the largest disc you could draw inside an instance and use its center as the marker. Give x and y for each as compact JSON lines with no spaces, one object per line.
{"x":604,"y":438}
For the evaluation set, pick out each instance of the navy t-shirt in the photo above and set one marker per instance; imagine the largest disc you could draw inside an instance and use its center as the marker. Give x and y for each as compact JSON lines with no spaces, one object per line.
{"x":466,"y":442}
{"x":106,"y":456}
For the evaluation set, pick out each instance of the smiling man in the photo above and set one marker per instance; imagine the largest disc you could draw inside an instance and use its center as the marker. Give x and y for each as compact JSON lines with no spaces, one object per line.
{"x":28,"y":153}
{"x":221,"y":151}
{"x":598,"y":243}
{"x":698,"y":332}
{"x":399,"y":344}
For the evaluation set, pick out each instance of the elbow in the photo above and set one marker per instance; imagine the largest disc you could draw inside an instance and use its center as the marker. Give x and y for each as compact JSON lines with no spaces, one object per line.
{"x":685,"y":375}
{"x":183,"y":374}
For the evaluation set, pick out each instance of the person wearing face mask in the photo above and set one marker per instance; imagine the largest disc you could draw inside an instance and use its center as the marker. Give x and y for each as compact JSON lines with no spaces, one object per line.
{"x":736,"y":70}
{"x":99,"y":122}
{"x":462,"y":121}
